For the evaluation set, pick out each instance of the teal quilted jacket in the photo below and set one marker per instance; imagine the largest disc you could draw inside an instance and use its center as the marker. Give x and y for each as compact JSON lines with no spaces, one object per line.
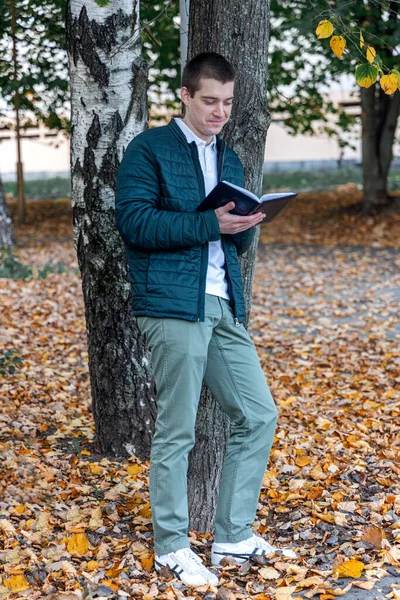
{"x":160,"y":184}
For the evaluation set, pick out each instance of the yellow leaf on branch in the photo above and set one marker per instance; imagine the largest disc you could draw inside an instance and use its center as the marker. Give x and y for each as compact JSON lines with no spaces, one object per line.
{"x":338,"y":44}
{"x":371,"y":53}
{"x":366,"y":75}
{"x":361,"y":40}
{"x":324,"y":29}
{"x":389,"y":83}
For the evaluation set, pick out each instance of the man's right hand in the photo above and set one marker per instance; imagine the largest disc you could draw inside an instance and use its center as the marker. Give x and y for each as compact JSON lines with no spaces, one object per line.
{"x":234,"y":223}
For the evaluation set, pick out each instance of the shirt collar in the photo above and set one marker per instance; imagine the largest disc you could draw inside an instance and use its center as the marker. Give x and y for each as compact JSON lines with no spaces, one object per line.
{"x":192,"y":137}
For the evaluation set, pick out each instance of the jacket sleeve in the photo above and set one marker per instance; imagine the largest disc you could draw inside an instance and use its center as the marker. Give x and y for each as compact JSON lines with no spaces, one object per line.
{"x":139,"y":219}
{"x":243,"y":239}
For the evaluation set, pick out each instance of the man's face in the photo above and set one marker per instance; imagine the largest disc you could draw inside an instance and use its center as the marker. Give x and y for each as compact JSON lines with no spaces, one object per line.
{"x":209,"y":109}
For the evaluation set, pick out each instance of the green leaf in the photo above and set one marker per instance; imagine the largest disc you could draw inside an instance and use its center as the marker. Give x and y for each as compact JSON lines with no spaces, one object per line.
{"x":102,"y":2}
{"x":378,"y":62}
{"x":366,"y":75}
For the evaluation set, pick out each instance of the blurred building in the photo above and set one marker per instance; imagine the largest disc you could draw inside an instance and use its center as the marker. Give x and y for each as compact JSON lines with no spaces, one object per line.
{"x":45,"y":153}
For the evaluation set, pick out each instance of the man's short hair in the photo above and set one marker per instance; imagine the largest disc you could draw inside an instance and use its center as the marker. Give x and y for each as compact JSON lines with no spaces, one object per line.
{"x":208,"y":65}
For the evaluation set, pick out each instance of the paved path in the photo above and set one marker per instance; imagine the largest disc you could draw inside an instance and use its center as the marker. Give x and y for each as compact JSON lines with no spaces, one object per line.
{"x":333,"y":292}
{"x":351,"y":287}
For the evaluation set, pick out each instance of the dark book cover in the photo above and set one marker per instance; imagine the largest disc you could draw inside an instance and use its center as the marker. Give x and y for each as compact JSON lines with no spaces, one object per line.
{"x":245,"y":202}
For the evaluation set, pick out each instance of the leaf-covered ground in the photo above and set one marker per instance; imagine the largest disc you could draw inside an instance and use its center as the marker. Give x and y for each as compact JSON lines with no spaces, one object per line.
{"x":325,"y":321}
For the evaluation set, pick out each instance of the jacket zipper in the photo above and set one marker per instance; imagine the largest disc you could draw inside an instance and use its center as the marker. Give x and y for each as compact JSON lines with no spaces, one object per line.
{"x":204,"y":250}
{"x":200,"y":179}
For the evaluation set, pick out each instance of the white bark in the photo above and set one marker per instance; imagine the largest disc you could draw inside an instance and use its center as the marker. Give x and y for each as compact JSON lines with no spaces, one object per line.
{"x":108,"y":101}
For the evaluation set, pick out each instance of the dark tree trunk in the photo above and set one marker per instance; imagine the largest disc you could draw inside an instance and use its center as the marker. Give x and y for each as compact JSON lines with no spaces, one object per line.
{"x":239,"y":30}
{"x":108,"y":98}
{"x":379,"y":114}
{"x":379,"y":120}
{"x":7,"y":236}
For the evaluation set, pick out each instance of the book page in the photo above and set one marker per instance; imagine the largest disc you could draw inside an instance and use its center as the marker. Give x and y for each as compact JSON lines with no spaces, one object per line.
{"x":276,"y":196}
{"x":249,"y":194}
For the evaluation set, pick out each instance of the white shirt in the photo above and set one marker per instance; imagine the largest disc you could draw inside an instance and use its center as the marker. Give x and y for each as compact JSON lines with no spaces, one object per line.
{"x":216,"y":283}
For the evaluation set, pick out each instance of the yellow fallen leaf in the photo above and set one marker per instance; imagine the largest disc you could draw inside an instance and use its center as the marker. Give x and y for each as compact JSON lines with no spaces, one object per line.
{"x":145,"y":511}
{"x":16,"y":583}
{"x":134,"y":469}
{"x":92,"y":565}
{"x":78,"y":543}
{"x":116,"y":569}
{"x":350,"y":568}
{"x":86,"y":453}
{"x":148,"y":562}
{"x":95,"y":469}
{"x":303,"y":461}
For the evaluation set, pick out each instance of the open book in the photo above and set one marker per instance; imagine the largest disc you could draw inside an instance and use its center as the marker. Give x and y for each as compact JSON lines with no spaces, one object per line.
{"x":246,"y":203}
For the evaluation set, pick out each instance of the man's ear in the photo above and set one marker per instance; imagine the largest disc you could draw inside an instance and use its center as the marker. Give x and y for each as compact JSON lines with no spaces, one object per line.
{"x":185,"y":95}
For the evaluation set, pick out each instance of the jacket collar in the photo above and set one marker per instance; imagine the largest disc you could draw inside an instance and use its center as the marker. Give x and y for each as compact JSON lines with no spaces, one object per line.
{"x":178,"y":133}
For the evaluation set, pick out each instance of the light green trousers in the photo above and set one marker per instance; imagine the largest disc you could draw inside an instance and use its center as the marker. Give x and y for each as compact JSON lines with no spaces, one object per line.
{"x":183,"y":353}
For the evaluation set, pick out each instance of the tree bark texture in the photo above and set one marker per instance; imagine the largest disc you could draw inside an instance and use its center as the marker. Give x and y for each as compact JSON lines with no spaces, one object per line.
{"x":379,"y":113}
{"x":108,"y":98}
{"x":239,"y":30}
{"x":7,"y":236}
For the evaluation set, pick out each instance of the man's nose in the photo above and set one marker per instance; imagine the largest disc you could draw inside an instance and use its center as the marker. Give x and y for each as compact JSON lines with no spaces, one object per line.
{"x":219,"y":109}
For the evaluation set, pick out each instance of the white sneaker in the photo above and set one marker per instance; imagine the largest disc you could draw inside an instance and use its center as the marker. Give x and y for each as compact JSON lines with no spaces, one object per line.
{"x":246,"y":550}
{"x":186,"y":566}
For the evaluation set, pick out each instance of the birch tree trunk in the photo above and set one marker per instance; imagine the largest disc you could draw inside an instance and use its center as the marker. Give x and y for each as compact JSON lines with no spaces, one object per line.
{"x":7,"y":236}
{"x":108,"y":98}
{"x":379,"y":113}
{"x":239,"y":30}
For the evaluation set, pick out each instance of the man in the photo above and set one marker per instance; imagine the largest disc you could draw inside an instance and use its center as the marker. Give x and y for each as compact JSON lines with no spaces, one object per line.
{"x":188,"y":299}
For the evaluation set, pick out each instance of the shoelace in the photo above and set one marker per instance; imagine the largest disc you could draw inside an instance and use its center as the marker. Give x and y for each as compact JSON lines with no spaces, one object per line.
{"x":187,"y":557}
{"x":261,"y":543}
